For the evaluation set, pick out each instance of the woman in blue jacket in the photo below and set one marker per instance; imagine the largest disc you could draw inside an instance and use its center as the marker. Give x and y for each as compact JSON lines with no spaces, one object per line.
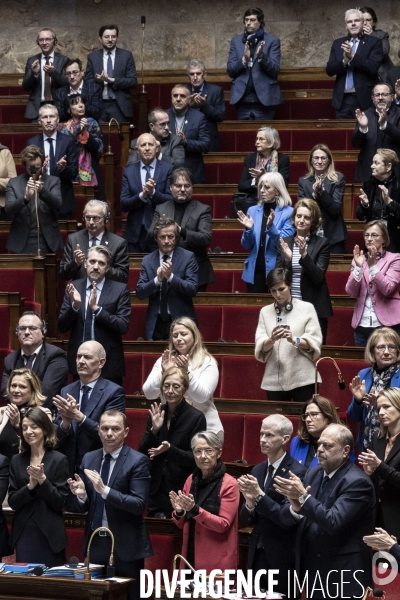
{"x":264,"y":224}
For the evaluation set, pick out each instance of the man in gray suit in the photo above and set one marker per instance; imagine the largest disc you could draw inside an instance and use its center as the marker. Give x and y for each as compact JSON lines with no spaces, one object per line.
{"x":20,"y":205}
{"x":44,"y":73}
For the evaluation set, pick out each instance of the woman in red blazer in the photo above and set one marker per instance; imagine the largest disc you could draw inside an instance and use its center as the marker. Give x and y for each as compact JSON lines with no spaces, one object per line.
{"x":207,"y":508}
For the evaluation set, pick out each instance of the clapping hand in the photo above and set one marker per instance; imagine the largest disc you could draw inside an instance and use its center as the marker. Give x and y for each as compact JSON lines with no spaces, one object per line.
{"x":256,"y":173}
{"x":362,"y":119}
{"x":271,"y":218}
{"x":358,"y":256}
{"x":93,"y":298}
{"x":286,"y":250}
{"x":372,"y":259}
{"x":369,"y":461}
{"x":260,"y":50}
{"x":176,"y":502}
{"x":77,"y":486}
{"x":245,"y":220}
{"x":79,"y":256}
{"x":357,"y":388}
{"x":13,"y":415}
{"x":157,"y":417}
{"x":249,"y":487}
{"x":36,"y":473}
{"x":74,"y":296}
{"x":364,"y":198}
{"x":385,"y":194}
{"x":182,"y":361}
{"x":62,"y":163}
{"x":96,"y":480}
{"x":167,"y":361}
{"x":302,"y":244}
{"x":164,"y":447}
{"x":381,"y":540}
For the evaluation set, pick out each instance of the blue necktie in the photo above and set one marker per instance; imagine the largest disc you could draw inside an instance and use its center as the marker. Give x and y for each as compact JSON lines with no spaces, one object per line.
{"x":322,"y":487}
{"x":110,"y":73}
{"x":350,"y":77}
{"x":99,"y":502}
{"x":87,"y":326}
{"x":52,"y":158}
{"x":85,"y":398}
{"x":148,"y":172}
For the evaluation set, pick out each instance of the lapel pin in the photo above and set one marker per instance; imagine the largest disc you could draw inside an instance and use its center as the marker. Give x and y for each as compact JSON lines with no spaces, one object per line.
{"x":106,"y":243}
{"x":186,"y":122}
{"x":283,"y":470}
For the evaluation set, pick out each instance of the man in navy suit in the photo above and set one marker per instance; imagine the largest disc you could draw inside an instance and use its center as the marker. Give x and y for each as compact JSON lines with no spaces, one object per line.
{"x":335,"y":509}
{"x":113,"y":69}
{"x":355,"y":60}
{"x":96,"y":308}
{"x":90,"y":92}
{"x":254,"y":63}
{"x":113,"y":487}
{"x":44,"y":73}
{"x":61,"y":154}
{"x":169,"y":279}
{"x":192,"y":128}
{"x":271,"y":545}
{"x":207,"y":98}
{"x":144,"y":185}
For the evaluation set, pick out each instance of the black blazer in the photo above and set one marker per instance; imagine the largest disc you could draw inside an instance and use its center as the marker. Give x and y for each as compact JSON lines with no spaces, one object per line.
{"x":213,"y":110}
{"x":387,"y":483}
{"x":44,"y":503}
{"x":4,"y":479}
{"x":50,"y":366}
{"x":314,"y":288}
{"x":110,"y":325}
{"x":33,"y":84}
{"x":250,"y":163}
{"x":92,"y":94}
{"x":198,"y":141}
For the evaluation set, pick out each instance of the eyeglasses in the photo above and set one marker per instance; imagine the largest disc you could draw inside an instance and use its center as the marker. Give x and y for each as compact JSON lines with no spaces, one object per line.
{"x":72,"y":74}
{"x":373,"y":236}
{"x":31,"y":328}
{"x":95,"y":219}
{"x":384,"y":95}
{"x":319,"y":158}
{"x":206,"y":451}
{"x":311,"y":415}
{"x":389,"y":348}
{"x":174,"y":386}
{"x":45,"y":40}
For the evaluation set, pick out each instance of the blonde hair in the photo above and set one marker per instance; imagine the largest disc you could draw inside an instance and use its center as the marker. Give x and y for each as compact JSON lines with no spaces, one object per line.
{"x":277,"y":181}
{"x":330,"y":170}
{"x":198,"y":352}
{"x":37,"y":397}
{"x":392,"y":395}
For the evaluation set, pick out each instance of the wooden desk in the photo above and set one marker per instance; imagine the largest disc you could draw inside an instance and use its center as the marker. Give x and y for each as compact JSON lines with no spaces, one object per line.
{"x":20,"y":587}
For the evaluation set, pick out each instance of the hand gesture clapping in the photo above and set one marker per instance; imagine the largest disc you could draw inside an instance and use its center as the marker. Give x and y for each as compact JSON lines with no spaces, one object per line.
{"x":157,"y":417}
{"x":159,"y":450}
{"x":362,"y":118}
{"x":167,"y":361}
{"x":77,"y":486}
{"x":358,"y":256}
{"x":369,"y":461}
{"x":245,"y":220}
{"x":74,"y":295}
{"x":271,"y":218}
{"x":357,"y":388}
{"x":286,"y":250}
{"x":79,"y":256}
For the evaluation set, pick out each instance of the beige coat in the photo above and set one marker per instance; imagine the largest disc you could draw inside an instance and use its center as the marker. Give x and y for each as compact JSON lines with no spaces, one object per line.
{"x":7,"y":170}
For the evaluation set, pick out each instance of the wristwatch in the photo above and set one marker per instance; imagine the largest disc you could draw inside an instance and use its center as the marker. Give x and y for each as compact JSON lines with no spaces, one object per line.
{"x":303,"y":498}
{"x":297,"y":342}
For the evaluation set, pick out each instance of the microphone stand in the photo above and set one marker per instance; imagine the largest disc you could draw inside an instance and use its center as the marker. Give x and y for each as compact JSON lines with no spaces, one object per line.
{"x":39,"y":252}
{"x":120,"y":134}
{"x":143,"y":21}
{"x":87,"y":575}
{"x":341,"y":382}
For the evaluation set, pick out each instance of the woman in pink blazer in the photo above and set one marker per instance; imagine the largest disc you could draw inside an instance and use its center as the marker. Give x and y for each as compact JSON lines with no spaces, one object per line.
{"x":374,"y":282}
{"x":207,"y":508}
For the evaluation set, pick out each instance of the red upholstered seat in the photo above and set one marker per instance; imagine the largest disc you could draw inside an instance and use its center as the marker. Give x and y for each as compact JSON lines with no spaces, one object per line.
{"x":251,"y":438}
{"x":137,"y":324}
{"x":238,"y":284}
{"x":337,"y":280}
{"x":223,"y":282}
{"x":354,"y":237}
{"x":5,"y":326}
{"x":19,"y":280}
{"x":132,"y":381}
{"x":240,"y":323}
{"x":164,"y":552}
{"x":148,"y":361}
{"x":137,"y":420}
{"x":340,"y":331}
{"x":12,"y":113}
{"x":133,"y":278}
{"x":3,"y":242}
{"x":233,"y":438}
{"x":3,"y":353}
{"x":228,"y":240}
{"x":241,"y":377}
{"x":75,"y":541}
{"x":210,"y":322}
{"x":329,"y":386}
{"x":222,"y":206}
{"x":335,"y":139}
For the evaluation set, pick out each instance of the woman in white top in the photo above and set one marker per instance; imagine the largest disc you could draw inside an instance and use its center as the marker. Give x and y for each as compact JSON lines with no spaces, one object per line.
{"x":186,"y":350}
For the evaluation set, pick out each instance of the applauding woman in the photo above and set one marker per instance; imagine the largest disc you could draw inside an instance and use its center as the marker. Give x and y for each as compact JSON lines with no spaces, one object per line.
{"x":374,"y":282}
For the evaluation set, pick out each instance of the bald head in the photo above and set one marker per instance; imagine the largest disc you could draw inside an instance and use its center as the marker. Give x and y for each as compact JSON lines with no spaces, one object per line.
{"x":90,"y":360}
{"x":147,"y":147}
{"x":334,"y":447}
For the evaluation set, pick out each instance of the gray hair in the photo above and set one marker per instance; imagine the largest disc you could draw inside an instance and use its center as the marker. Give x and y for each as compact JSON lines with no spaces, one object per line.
{"x":277,"y":181}
{"x":211,"y":438}
{"x":102,"y":250}
{"x":47,"y":106}
{"x":95,"y":204}
{"x":351,"y":11}
{"x":272,"y":137}
{"x":195,"y":63}
{"x":151,"y":117}
{"x":283,"y":424}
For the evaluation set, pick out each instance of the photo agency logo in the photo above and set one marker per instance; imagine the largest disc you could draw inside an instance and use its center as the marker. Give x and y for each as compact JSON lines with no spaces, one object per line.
{"x":384,"y":568}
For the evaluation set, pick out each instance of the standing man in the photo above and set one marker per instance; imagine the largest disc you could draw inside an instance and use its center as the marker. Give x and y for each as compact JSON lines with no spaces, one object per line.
{"x":254,"y":63}
{"x":113,"y":488}
{"x":168,"y":277}
{"x":355,"y":60}
{"x":377,"y":127}
{"x":194,"y":223}
{"x":113,"y":69}
{"x":144,"y":185}
{"x":44,"y":73}
{"x":207,"y":98}
{"x":96,"y":308}
{"x":47,"y":361}
{"x":96,"y":216}
{"x":271,"y":545}
{"x":170,"y":146}
{"x":335,"y":508}
{"x":61,"y":156}
{"x":192,"y":128}
{"x":89,"y":91}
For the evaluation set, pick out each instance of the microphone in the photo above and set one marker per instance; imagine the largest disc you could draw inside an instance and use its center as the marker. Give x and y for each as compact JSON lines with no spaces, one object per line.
{"x":33,"y":170}
{"x":217,"y":250}
{"x":378,"y":593}
{"x":36,"y":571}
{"x":73,"y":562}
{"x":341,"y":381}
{"x":143,"y":21}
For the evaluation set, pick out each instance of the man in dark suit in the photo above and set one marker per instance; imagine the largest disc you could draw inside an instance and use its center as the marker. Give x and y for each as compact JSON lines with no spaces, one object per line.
{"x":171,"y":147}
{"x":47,"y":361}
{"x":194,"y":223}
{"x":96,"y":308}
{"x":144,"y":185}
{"x":271,"y":545}
{"x":81,"y":404}
{"x":96,"y":216}
{"x":168,"y":277}
{"x":207,"y":98}
{"x":113,"y":69}
{"x":61,"y":154}
{"x":355,"y":61}
{"x":90,"y":92}
{"x":20,"y":206}
{"x":335,"y":508}
{"x":113,"y":487}
{"x":192,"y":128}
{"x":44,"y":73}
{"x":377,"y":127}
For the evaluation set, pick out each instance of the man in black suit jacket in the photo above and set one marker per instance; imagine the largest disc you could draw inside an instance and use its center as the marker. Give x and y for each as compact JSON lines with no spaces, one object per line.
{"x":168,"y":277}
{"x":41,"y":69}
{"x":194,"y":223}
{"x":47,"y":361}
{"x":377,"y":127}
{"x":207,"y":98}
{"x":271,"y":545}
{"x":90,"y":92}
{"x":96,"y":308}
{"x":95,"y":215}
{"x":355,"y":60}
{"x":113,"y":69}
{"x":113,"y":487}
{"x":61,"y":154}
{"x":335,"y":508}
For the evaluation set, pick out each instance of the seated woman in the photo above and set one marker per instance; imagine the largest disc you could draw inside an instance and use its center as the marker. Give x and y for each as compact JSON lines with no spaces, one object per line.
{"x":24,"y":391}
{"x":170,"y":428}
{"x":264,"y":225}
{"x":327,"y":187}
{"x":382,"y":461}
{"x":7,"y":170}
{"x":207,"y":508}
{"x":38,"y":491}
{"x":89,"y":141}
{"x":382,"y":352}
{"x":380,"y":196}
{"x":374,"y":283}
{"x":186,"y":350}
{"x":288,"y":340}
{"x":306,"y":255}
{"x":267,"y":159}
{"x":369,"y":28}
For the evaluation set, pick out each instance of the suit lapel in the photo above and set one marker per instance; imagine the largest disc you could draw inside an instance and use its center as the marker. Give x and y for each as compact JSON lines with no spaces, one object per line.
{"x":118,"y":465}
{"x":105,"y":291}
{"x":39,"y":359}
{"x":188,"y":212}
{"x":394,"y":450}
{"x":82,"y":292}
{"x":59,"y":146}
{"x":95,"y":396}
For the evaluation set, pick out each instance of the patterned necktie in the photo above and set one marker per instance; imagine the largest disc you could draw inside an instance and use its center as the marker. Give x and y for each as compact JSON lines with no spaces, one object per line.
{"x":87,"y":326}
{"x":52,"y":162}
{"x":47,"y":82}
{"x":350,"y":77}
{"x":110,"y":73}
{"x":29,"y":360}
{"x":99,"y":502}
{"x":148,"y":172}
{"x":164,"y":295}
